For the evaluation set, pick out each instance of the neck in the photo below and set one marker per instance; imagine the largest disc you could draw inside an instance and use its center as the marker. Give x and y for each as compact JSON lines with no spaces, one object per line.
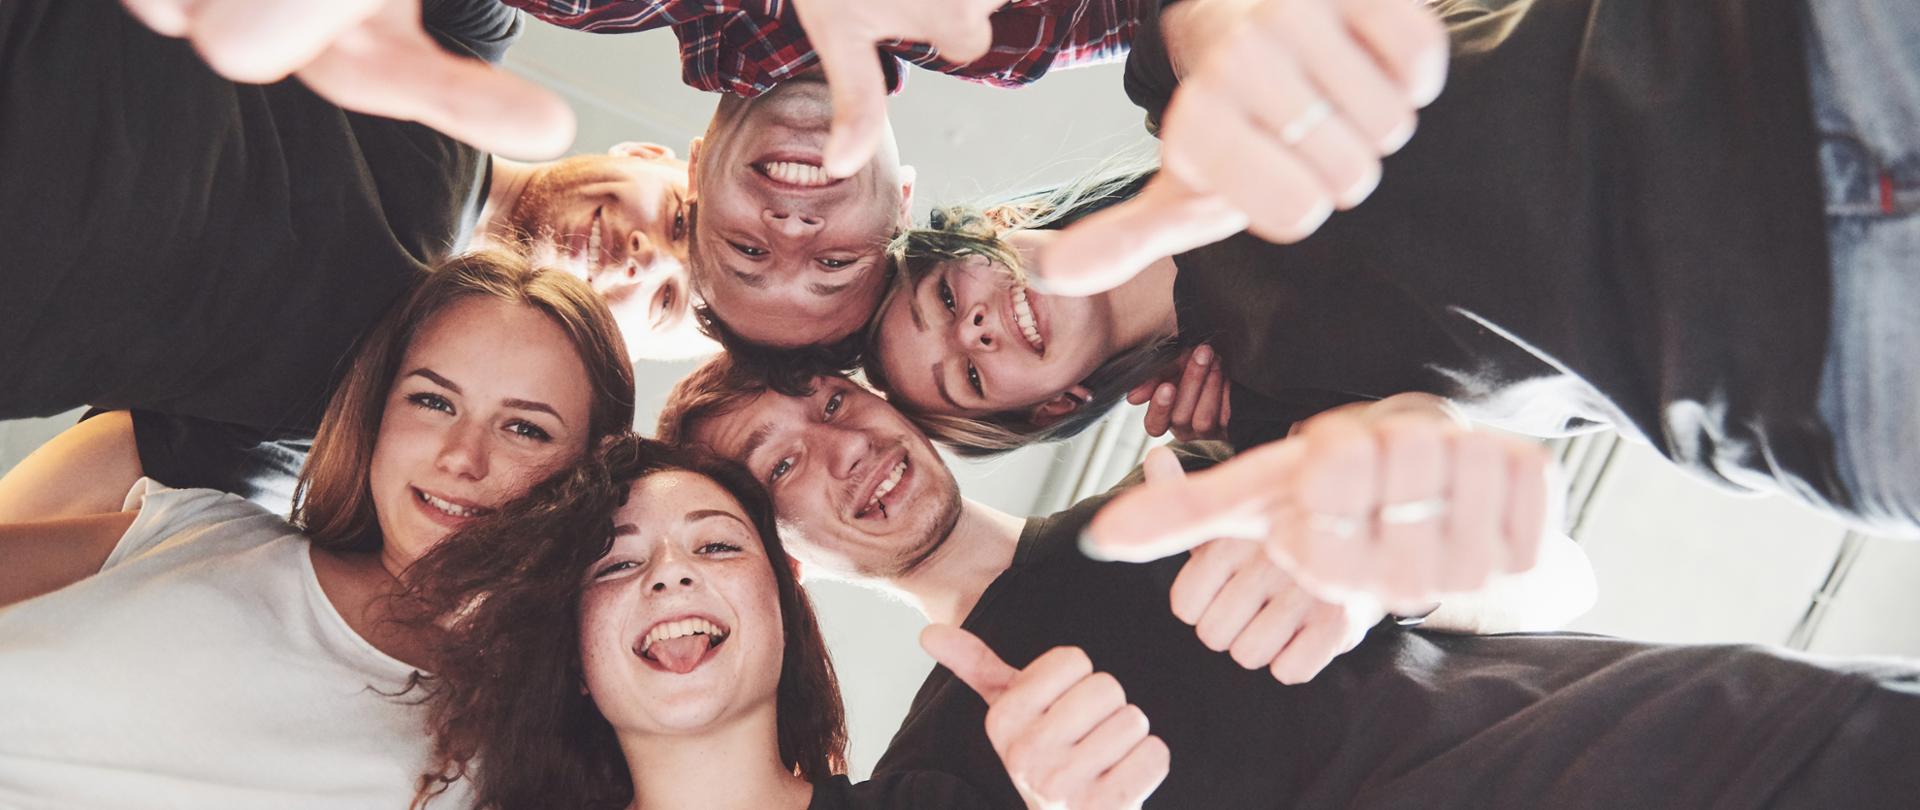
{"x":509,"y":181}
{"x":361,"y":586}
{"x":734,"y":766}
{"x":947,"y":586}
{"x":1142,"y":308}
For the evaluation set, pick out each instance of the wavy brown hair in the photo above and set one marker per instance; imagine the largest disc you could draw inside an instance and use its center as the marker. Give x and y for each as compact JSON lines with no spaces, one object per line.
{"x":333,"y":502}
{"x":507,"y":691}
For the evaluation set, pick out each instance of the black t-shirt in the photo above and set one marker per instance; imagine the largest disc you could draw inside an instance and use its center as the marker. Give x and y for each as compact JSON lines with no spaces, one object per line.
{"x":1411,"y":719}
{"x":925,"y":790}
{"x":1614,"y":202}
{"x":184,"y":244}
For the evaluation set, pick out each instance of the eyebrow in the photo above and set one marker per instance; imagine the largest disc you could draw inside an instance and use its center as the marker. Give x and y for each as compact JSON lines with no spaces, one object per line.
{"x":624,"y":529}
{"x":703,"y":514}
{"x":522,"y":404}
{"x":825,"y":290}
{"x":940,"y":384}
{"x":755,"y":440}
{"x":436,"y":378}
{"x":913,"y":301}
{"x":753,"y":280}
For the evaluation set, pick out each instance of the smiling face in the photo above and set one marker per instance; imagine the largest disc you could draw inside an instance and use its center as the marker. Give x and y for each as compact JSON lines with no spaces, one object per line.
{"x":858,"y":491}
{"x":619,"y":221}
{"x":968,"y":340}
{"x":787,"y":256}
{"x":680,"y":624}
{"x":490,"y":397}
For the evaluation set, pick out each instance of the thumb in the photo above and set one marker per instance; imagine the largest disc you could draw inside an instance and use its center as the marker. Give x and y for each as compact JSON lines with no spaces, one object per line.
{"x":859,"y":87}
{"x":969,"y":658}
{"x":1106,"y":249}
{"x":1162,"y":465}
{"x":1165,"y":517}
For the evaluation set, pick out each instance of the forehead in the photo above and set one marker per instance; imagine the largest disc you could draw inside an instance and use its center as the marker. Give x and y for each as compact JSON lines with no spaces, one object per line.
{"x":663,"y":499}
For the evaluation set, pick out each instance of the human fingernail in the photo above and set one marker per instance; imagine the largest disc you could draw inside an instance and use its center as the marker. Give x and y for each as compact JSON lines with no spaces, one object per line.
{"x":1164,"y":394}
{"x":1358,"y":192}
{"x":1203,"y":355}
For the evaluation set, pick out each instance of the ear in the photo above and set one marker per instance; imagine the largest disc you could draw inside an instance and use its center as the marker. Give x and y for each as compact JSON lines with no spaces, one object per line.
{"x":907,"y":175}
{"x":646,"y":151}
{"x":1061,"y":406}
{"x":693,"y":167}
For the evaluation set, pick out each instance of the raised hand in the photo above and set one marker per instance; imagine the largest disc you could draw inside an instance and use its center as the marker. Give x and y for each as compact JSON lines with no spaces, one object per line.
{"x":1066,"y":733}
{"x":1241,"y":604}
{"x":844,"y":33}
{"x":1192,"y":400}
{"x":1284,"y":112}
{"x":373,"y":57}
{"x":1403,"y":504}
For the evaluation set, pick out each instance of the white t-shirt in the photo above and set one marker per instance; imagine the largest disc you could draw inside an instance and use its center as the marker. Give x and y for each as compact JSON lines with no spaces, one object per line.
{"x":202,"y":667}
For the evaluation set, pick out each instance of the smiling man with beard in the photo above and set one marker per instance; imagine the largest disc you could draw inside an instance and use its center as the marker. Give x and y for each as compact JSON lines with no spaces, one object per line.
{"x":1405,"y":719}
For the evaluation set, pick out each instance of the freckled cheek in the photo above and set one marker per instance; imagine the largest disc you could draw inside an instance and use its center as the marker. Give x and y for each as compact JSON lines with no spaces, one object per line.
{"x":601,"y":645}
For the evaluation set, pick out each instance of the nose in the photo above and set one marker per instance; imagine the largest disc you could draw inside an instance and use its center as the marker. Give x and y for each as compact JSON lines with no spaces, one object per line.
{"x":671,"y":572}
{"x":640,"y":253}
{"x":790,"y":223}
{"x":976,"y":330}
{"x":849,"y":453}
{"x":463,"y":451}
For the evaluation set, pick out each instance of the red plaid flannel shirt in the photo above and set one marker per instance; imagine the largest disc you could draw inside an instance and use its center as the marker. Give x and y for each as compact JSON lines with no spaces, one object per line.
{"x":748,"y":46}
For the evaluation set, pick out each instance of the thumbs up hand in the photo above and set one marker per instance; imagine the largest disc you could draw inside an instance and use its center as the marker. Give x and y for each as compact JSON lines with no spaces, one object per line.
{"x":1394,"y":500}
{"x":1068,"y":736}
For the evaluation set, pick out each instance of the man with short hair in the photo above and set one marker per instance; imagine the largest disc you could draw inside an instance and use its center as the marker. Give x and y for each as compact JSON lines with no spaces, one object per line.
{"x":1404,"y":720}
{"x":792,"y":219}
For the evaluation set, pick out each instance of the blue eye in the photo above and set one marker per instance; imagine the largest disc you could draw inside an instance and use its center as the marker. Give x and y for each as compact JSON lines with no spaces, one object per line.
{"x":432,"y":402}
{"x":780,"y":469}
{"x":530,"y":431}
{"x":833,"y":404}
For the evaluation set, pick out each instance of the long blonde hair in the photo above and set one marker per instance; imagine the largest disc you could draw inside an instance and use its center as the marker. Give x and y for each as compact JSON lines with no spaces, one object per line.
{"x":956,"y":232}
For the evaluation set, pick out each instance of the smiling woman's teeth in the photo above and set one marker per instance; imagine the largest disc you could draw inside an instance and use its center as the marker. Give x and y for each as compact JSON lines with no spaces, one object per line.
{"x":684,"y":627}
{"x":886,"y":486}
{"x":799,"y":174}
{"x":1023,"y":316}
{"x":449,"y":507}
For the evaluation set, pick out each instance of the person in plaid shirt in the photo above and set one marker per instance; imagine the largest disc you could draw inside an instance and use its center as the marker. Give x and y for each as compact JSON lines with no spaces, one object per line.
{"x":798,"y":180}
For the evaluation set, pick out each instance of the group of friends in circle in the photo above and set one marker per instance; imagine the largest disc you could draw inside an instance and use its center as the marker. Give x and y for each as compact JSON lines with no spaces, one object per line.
{"x":362,"y":513}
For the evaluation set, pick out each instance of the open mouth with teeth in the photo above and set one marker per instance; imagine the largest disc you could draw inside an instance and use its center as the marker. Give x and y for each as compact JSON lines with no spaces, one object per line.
{"x":681,"y":645}
{"x":449,"y":508}
{"x":1024,"y":318}
{"x":594,"y":240}
{"x":879,"y":500}
{"x":794,"y":173}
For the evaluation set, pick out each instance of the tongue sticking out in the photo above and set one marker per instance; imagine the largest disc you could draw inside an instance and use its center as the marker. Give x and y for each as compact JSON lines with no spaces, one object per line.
{"x":681,"y":655}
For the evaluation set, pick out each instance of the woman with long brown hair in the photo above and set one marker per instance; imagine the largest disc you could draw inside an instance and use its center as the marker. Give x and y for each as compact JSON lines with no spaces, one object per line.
{"x":196,"y":650}
{"x":631,"y":634}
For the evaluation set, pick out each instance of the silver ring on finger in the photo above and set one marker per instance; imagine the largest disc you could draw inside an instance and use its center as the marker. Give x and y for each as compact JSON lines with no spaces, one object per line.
{"x":1411,"y":512}
{"x":1302,"y":125}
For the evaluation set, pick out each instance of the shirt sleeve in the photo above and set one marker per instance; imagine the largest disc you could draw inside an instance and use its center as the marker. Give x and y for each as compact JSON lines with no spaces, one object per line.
{"x":479,"y":28}
{"x":165,"y":513}
{"x":1031,"y":37}
{"x":745,"y":47}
